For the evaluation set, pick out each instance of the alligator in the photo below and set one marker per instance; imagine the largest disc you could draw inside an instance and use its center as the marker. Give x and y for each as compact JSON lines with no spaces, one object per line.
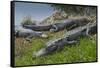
{"x":69,"y":23}
{"x":70,"y":38}
{"x":38,"y":27}
{"x":28,"y":34}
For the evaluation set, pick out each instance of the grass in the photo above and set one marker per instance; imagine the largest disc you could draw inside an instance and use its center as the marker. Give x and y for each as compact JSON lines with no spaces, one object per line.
{"x":85,"y":51}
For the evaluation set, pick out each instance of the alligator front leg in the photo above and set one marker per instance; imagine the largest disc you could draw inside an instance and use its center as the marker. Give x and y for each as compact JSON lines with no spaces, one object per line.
{"x":29,"y":39}
{"x":60,"y":47}
{"x":54,"y":28}
{"x":71,"y":27}
{"x":72,"y":42}
{"x":87,"y":31}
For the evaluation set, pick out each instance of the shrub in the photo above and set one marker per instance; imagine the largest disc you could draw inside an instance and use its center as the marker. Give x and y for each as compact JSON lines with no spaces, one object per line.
{"x":28,"y":21}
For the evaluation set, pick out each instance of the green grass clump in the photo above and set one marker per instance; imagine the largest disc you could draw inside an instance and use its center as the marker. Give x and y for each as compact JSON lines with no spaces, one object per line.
{"x":85,"y":51}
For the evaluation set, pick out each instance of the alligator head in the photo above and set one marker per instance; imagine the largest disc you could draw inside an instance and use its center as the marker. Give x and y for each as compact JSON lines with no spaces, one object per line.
{"x":46,"y":50}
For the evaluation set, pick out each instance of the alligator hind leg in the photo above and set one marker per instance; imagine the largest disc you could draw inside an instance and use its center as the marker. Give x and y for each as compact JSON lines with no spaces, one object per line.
{"x":60,"y":47}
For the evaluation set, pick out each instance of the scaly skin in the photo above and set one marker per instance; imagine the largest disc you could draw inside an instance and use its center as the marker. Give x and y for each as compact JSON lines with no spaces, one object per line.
{"x":70,"y":38}
{"x":29,"y":34}
{"x":58,"y":26}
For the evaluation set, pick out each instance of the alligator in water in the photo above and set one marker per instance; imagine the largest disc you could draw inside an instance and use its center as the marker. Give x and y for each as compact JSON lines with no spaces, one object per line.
{"x":69,"y":23}
{"x":70,"y":38}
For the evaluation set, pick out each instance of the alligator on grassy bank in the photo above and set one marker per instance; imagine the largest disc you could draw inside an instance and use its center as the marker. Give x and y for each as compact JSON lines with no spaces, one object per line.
{"x":70,"y":38}
{"x":69,"y":23}
{"x":28,"y":34}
